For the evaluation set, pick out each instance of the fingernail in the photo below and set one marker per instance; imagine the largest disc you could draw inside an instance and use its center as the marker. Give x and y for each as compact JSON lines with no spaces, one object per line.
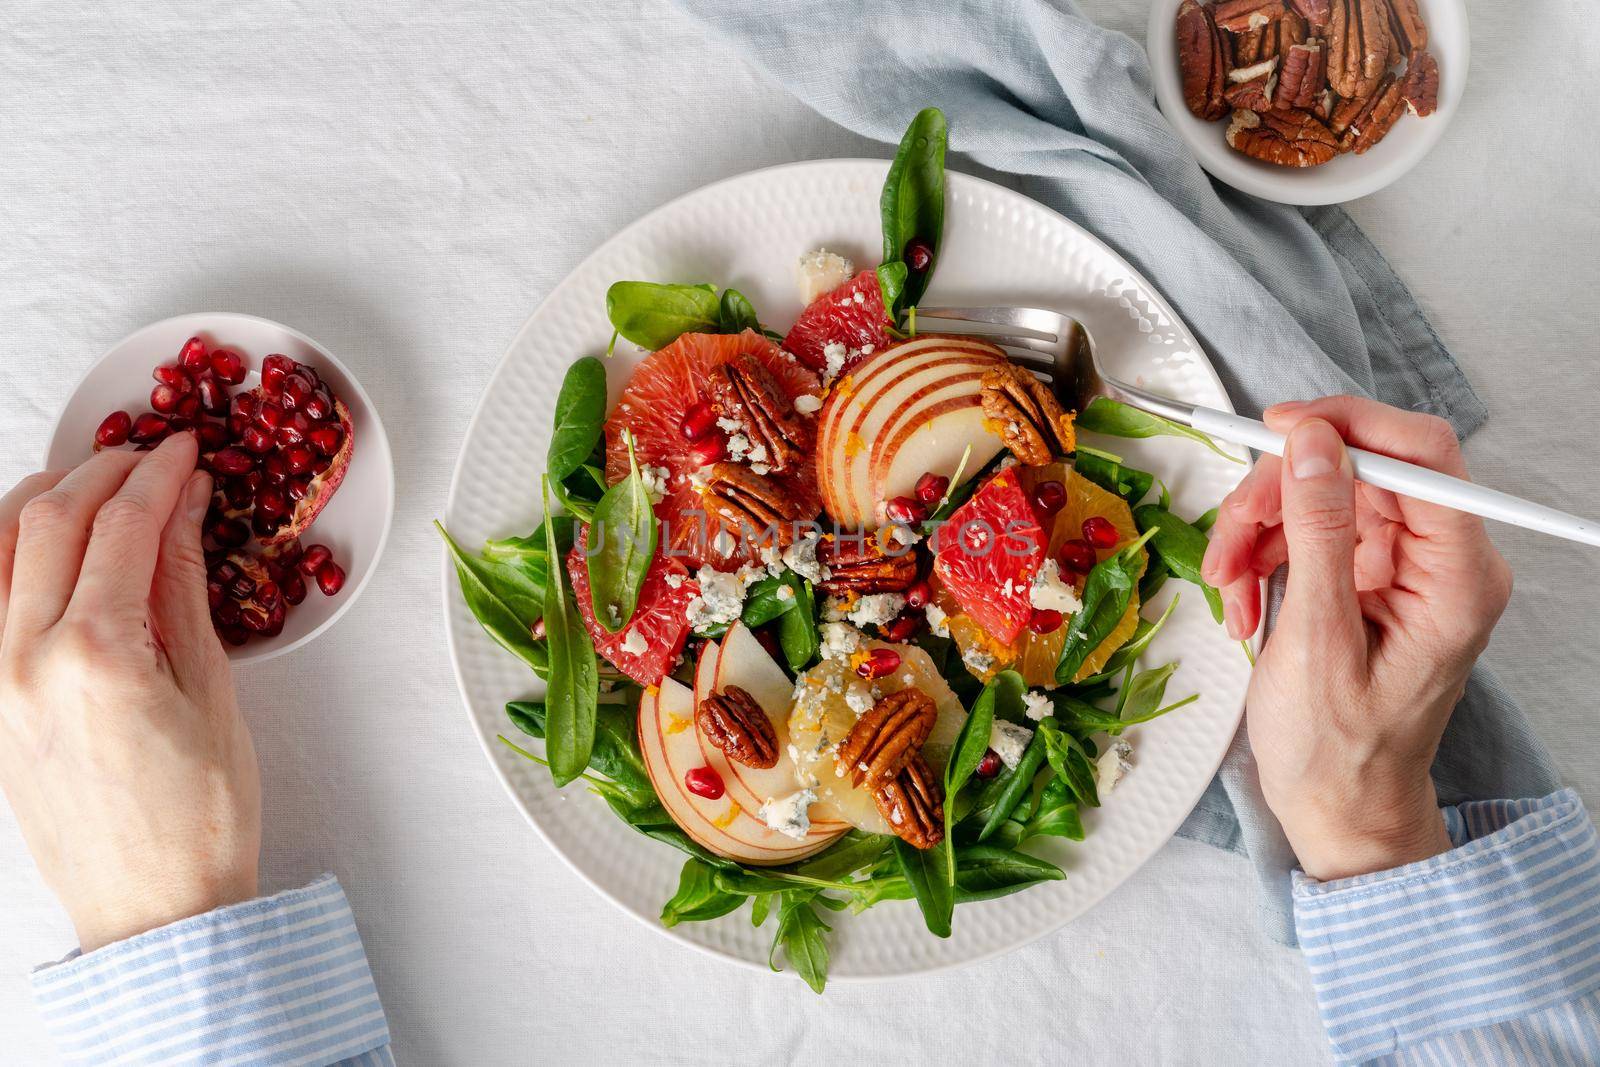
{"x":1315,"y":449}
{"x":1286,"y":407}
{"x":197,"y":496}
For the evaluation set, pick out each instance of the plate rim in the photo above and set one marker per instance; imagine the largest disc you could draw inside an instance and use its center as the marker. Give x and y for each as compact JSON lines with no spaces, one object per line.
{"x":447,"y":570}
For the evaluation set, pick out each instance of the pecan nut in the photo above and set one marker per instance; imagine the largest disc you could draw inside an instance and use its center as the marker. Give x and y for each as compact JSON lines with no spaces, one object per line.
{"x":1286,"y":138}
{"x":885,"y":739}
{"x":1377,"y":118}
{"x":1407,"y":27}
{"x":1421,"y":87}
{"x":1316,"y":12}
{"x":1252,"y":87}
{"x":1201,"y":61}
{"x":1250,"y":47}
{"x":752,"y":506}
{"x":1358,"y":47}
{"x":1237,"y":16}
{"x":859,"y":563}
{"x":733,"y":722}
{"x":743,"y":393}
{"x":1026,"y":415}
{"x":1304,"y":72}
{"x":912,"y":803}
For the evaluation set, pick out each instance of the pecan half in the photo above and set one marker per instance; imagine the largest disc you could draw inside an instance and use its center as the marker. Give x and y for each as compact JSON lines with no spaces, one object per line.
{"x":912,"y":803}
{"x":1201,"y":61}
{"x":1406,"y":25}
{"x":1026,"y":415}
{"x":1241,"y":15}
{"x":1421,"y":87}
{"x":1315,"y":12}
{"x":1305,"y":68}
{"x":1249,"y":46}
{"x":1358,"y":47}
{"x":859,"y":563}
{"x":1287,"y":138}
{"x":733,"y":722}
{"x":752,"y":506}
{"x":1377,"y":118}
{"x":743,"y":392}
{"x":1254,"y":95}
{"x":886,"y":738}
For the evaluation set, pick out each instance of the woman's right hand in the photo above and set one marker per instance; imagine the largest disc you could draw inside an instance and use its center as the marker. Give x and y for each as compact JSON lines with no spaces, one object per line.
{"x":1388,"y":603}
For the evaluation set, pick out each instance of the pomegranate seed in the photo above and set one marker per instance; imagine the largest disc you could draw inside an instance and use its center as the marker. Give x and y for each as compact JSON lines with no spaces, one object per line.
{"x":288,"y":553}
{"x":299,"y":459}
{"x":703,"y":782}
{"x":879,"y":662}
{"x":188,"y":407}
{"x":238,"y":492}
{"x":1077,"y":556}
{"x":230,"y":533}
{"x":919,"y":595}
{"x":275,"y":617}
{"x":271,"y":502}
{"x":213,"y":395}
{"x":919,"y":255}
{"x":268,"y":595}
{"x":905,"y":510}
{"x":235,"y":635}
{"x":228,"y":612}
{"x":254,"y":620}
{"x":293,"y":429}
{"x":1045,"y":621}
{"x":326,"y":439}
{"x":274,"y":471}
{"x":319,"y":406}
{"x":227,"y":366}
{"x":214,"y":595}
{"x":902,"y":628}
{"x":113,"y":430}
{"x":294,"y":588}
{"x":298,"y":488}
{"x":1049,"y":497}
{"x":224,"y":572}
{"x":268,"y":415}
{"x":322,"y":463}
{"x":241,"y":587}
{"x":164,"y":398}
{"x":213,"y":435}
{"x":313,"y":559}
{"x":931,"y":488}
{"x":1098,"y":531}
{"x":988,"y":766}
{"x":330,"y":578}
{"x":148,"y":428}
{"x":173,"y":375}
{"x":297,"y":389}
{"x":537,"y":629}
{"x":193,"y":357}
{"x":709,"y":449}
{"x":265,"y":525}
{"x":698,"y":421}
{"x":232,"y":461}
{"x":256,"y":439}
{"x":273,"y":371}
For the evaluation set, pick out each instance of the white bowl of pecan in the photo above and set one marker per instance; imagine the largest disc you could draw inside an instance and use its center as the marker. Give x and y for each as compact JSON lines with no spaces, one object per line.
{"x":1309,"y":101}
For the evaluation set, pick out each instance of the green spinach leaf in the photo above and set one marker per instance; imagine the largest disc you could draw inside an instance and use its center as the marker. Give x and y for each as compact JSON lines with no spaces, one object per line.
{"x":1129,"y":483}
{"x":912,"y":204}
{"x":1115,"y":419}
{"x":621,"y":545}
{"x":580,"y":418}
{"x":1071,"y":763}
{"x":505,"y":600}
{"x":797,"y":628}
{"x":652,"y":315}
{"x":927,"y":872}
{"x":891,"y":283}
{"x":1008,"y":789}
{"x":573,"y":682}
{"x":616,"y":743}
{"x":1057,"y":815}
{"x":1180,"y":547}
{"x":698,"y":897}
{"x":735,"y":313}
{"x":971,"y":744}
{"x":986,"y":871}
{"x":1106,"y":594}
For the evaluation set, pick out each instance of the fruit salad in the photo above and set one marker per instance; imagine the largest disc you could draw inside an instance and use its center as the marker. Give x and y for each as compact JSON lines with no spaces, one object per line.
{"x":846,"y":614}
{"x":277,"y":453}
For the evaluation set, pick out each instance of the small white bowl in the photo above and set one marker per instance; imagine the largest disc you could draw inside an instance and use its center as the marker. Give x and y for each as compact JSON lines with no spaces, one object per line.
{"x":355,"y":523}
{"x":1345,"y":177}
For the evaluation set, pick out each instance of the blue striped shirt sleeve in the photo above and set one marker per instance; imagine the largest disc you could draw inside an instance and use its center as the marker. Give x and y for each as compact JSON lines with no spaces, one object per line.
{"x":1487,"y":954}
{"x":279,"y":980}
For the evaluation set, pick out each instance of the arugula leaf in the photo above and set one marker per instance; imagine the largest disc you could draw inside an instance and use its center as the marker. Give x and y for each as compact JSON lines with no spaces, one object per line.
{"x":735,"y":313}
{"x":800,"y":936}
{"x":927,"y":873}
{"x":797,"y":629}
{"x":1116,"y":419}
{"x":1057,"y":815}
{"x":1111,"y":475}
{"x":579,"y":419}
{"x":1106,"y":594}
{"x":621,"y":546}
{"x":698,"y":897}
{"x":760,"y":906}
{"x":986,"y":872}
{"x":912,"y":204}
{"x":505,"y":600}
{"x":1071,"y":763}
{"x":573,"y":681}
{"x":1180,"y":547}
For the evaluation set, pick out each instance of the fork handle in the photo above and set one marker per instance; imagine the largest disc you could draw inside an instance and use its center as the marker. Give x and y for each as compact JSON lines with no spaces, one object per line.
{"x":1413,"y":481}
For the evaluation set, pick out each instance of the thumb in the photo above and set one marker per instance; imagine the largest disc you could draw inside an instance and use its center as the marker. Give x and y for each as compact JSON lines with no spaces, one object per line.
{"x":178,"y":605}
{"x":1319,"y":523}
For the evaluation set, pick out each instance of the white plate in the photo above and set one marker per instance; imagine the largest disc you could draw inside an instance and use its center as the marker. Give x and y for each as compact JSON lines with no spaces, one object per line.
{"x":1345,"y":177}
{"x":747,"y":232}
{"x":355,"y":524}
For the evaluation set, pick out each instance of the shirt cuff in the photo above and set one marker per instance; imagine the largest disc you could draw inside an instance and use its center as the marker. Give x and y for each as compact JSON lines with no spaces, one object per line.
{"x":1503,"y":926}
{"x":277,"y":980}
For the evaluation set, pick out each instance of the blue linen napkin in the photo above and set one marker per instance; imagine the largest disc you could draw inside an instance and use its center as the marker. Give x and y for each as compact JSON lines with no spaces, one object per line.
{"x":1289,"y":303}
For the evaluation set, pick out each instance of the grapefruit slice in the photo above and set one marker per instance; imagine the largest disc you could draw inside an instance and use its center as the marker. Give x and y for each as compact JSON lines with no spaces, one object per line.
{"x":663,"y":388}
{"x":658,"y":620}
{"x":852,"y":315}
{"x":988,"y":554}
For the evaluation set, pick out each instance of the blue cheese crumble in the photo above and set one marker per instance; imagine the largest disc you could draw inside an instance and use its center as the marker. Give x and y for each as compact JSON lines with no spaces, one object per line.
{"x":1009,"y":741}
{"x":790,"y":815}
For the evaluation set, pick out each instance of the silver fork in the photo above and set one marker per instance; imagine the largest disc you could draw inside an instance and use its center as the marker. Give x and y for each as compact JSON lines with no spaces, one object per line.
{"x":1059,"y":349}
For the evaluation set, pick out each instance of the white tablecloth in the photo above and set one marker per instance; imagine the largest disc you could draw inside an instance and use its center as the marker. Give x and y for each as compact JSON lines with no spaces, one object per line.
{"x":405,"y":181}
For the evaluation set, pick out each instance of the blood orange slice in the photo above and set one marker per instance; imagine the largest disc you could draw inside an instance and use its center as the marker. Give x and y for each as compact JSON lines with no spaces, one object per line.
{"x":647,"y":648}
{"x":852,"y":315}
{"x":662,"y":390}
{"x":988,"y":554}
